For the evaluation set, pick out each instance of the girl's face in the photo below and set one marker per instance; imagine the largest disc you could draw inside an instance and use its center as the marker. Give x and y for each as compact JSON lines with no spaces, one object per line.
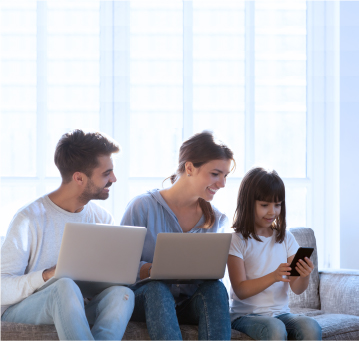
{"x":266,"y":213}
{"x":209,"y":178}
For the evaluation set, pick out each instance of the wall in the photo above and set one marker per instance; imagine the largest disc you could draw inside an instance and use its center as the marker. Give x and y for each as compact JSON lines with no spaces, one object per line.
{"x":349,"y":134}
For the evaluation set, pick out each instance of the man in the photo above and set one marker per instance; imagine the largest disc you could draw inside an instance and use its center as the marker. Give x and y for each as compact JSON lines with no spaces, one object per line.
{"x":32,"y":245}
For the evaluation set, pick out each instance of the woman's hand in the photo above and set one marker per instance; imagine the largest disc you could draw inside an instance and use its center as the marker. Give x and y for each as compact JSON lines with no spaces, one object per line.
{"x":145,"y":270}
{"x":304,"y":268}
{"x":283,"y":270}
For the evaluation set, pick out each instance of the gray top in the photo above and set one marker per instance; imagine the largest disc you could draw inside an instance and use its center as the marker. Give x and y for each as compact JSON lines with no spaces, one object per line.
{"x":32,"y":244}
{"x":151,"y":211}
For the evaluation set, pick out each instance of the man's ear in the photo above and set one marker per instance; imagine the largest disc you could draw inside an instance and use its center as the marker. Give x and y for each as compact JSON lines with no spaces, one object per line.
{"x":79,"y":178}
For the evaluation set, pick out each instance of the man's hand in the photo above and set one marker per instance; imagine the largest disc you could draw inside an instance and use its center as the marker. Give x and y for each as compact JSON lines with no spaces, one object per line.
{"x":48,"y":273}
{"x":283,"y":270}
{"x":145,"y":270}
{"x":304,"y":268}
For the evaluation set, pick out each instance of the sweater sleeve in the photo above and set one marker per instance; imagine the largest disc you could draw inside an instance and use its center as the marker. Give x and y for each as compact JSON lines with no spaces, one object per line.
{"x":15,"y":253}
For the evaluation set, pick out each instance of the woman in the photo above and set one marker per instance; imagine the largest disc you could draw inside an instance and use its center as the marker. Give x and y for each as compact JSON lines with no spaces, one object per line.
{"x":183,"y":208}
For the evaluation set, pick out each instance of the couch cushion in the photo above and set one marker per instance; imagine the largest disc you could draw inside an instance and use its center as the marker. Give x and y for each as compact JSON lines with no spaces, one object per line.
{"x":334,"y":327}
{"x":310,"y":297}
{"x":20,"y":331}
{"x":134,"y":331}
{"x":339,"y":326}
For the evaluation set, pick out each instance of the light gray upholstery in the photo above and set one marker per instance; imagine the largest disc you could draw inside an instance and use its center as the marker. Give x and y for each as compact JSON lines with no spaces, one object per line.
{"x":134,"y":331}
{"x":310,"y":297}
{"x":332,"y":298}
{"x":339,"y":326}
{"x":345,"y":300}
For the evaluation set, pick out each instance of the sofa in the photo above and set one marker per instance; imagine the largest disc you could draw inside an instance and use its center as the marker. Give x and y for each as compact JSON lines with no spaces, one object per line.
{"x":332,"y":298}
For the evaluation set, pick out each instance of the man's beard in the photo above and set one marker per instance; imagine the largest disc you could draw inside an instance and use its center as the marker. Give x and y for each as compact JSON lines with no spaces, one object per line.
{"x":92,"y":192}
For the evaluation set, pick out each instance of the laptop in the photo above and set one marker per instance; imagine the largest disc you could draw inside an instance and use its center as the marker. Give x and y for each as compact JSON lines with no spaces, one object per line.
{"x":98,"y":256}
{"x":189,"y":257}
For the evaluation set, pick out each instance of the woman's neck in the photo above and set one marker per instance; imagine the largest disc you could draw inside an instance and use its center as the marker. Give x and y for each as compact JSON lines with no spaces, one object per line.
{"x":179,"y":195}
{"x":183,"y":204}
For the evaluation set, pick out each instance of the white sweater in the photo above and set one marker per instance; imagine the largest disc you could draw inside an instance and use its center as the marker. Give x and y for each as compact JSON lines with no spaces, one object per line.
{"x":32,"y":244}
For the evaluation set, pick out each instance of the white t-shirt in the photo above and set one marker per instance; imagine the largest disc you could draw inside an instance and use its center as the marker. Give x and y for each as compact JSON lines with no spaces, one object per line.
{"x":33,"y":242}
{"x":260,"y":259}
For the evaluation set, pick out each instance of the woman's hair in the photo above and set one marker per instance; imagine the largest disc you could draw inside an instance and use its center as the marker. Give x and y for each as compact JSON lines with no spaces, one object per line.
{"x":263,"y":185}
{"x":200,"y":149}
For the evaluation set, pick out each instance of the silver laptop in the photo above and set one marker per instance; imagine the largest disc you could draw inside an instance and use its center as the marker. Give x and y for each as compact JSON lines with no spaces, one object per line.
{"x":98,"y":256}
{"x":189,"y":257}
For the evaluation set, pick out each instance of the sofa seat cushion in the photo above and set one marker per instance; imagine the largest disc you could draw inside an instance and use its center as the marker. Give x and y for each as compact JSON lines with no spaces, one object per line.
{"x":134,"y":331}
{"x":20,"y":331}
{"x":339,"y":326}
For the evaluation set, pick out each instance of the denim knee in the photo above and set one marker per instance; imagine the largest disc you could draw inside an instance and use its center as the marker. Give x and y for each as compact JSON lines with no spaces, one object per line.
{"x":307,"y":329}
{"x":274,"y":330}
{"x":211,"y":288}
{"x":65,"y":296}
{"x":66,"y":288}
{"x":120,"y":293}
{"x":158,"y":290}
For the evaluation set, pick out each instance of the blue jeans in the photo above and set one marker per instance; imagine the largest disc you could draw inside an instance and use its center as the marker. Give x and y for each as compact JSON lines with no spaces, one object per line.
{"x":281,"y":327}
{"x":62,"y":304}
{"x":207,"y":307}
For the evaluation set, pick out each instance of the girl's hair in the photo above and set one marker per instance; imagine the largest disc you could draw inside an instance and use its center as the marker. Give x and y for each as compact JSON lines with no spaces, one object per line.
{"x":200,"y":149}
{"x":263,"y":185}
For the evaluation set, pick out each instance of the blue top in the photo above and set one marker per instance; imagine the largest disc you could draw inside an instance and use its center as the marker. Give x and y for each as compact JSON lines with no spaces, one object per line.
{"x":151,"y":211}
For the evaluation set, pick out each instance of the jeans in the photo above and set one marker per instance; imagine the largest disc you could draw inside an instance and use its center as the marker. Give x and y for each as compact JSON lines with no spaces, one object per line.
{"x":62,"y":304}
{"x":281,"y":327}
{"x":207,"y":307}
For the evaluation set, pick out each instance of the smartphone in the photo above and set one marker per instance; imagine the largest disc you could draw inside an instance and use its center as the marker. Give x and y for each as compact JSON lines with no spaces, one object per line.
{"x":301,"y":254}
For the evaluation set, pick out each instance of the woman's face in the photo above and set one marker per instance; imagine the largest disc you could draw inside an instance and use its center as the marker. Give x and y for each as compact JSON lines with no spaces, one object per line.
{"x":209,"y":178}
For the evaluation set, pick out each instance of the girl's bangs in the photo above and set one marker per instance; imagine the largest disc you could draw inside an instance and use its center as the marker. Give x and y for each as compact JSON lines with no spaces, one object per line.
{"x":270,"y":189}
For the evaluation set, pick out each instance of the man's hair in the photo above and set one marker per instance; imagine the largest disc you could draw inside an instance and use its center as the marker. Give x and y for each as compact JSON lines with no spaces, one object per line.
{"x":78,"y":151}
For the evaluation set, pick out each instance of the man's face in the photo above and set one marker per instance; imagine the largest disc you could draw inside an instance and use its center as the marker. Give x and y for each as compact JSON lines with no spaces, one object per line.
{"x":97,"y":186}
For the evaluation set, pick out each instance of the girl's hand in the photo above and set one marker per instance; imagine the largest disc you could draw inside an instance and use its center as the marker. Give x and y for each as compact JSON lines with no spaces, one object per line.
{"x":304,"y":268}
{"x":283,"y":270}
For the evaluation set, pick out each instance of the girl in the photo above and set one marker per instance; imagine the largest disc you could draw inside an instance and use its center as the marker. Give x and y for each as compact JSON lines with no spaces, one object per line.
{"x":183,"y":208}
{"x":258,"y":263}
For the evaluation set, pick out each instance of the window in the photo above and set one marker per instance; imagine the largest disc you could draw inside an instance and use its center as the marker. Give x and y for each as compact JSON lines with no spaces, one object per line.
{"x":50,"y":84}
{"x":151,"y":74}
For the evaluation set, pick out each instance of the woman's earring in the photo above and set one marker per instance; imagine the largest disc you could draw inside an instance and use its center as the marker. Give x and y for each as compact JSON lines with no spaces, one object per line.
{"x":188,"y":174}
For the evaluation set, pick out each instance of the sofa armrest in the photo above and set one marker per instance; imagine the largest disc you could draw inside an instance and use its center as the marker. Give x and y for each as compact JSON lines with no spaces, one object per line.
{"x":339,"y":291}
